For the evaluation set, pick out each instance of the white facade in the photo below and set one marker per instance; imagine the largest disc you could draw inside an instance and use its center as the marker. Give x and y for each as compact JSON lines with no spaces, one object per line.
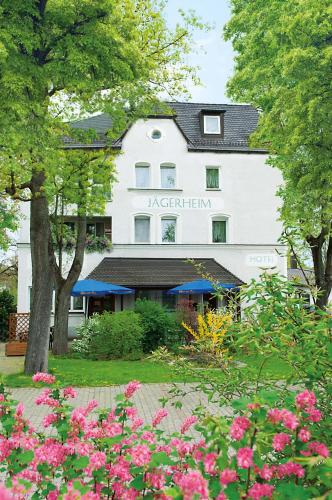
{"x":245,"y":199}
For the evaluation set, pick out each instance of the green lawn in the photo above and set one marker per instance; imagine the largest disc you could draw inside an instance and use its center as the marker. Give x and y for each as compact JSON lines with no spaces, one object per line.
{"x":81,"y":372}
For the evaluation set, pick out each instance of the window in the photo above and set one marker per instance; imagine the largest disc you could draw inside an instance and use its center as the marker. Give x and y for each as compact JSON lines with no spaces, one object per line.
{"x":168,"y":229}
{"x":95,"y":228}
{"x":142,"y":229}
{"x":167,"y":176}
{"x":76,"y":304}
{"x":142,"y":175}
{"x":212,"y":178}
{"x":155,"y":134}
{"x":70,"y":226}
{"x":212,"y":124}
{"x":219,"y":231}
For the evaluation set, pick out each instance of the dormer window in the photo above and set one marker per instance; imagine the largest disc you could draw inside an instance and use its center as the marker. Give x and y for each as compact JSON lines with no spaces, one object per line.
{"x":212,"y":124}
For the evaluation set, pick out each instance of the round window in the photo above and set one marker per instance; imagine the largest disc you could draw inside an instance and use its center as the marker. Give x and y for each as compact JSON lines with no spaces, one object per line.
{"x":155,"y":134}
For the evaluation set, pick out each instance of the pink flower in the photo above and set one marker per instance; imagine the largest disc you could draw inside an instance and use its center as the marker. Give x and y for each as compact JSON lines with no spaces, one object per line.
{"x":91,"y":406}
{"x":140,"y":454}
{"x":131,"y":388}
{"x":210,"y":463}
{"x":266,"y":472}
{"x":221,"y":496}
{"x":47,"y":378}
{"x":239,"y":427}
{"x":137,"y":422}
{"x":259,"y":490}
{"x":69,"y":392}
{"x":245,"y":458}
{"x":187,"y":423}
{"x":131,"y":412}
{"x":314,"y":414}
{"x":290,"y":468}
{"x":289,"y":420}
{"x":253,"y":406}
{"x":228,"y":476}
{"x":45,"y":398}
{"x":280,"y":441}
{"x":159,"y":416}
{"x":275,"y":415}
{"x":148,"y":436}
{"x":97,"y":460}
{"x":318,"y":449}
{"x":5,"y":494}
{"x":19,"y":410}
{"x":49,"y":419}
{"x":192,"y":484}
{"x":156,"y":480}
{"x":305,"y":399}
{"x":304,"y":435}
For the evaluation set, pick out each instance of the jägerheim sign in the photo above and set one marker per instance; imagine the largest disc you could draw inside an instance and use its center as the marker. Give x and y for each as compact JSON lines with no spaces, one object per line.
{"x":177,"y":203}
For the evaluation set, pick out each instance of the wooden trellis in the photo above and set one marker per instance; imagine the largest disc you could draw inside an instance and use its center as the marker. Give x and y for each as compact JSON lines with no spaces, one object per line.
{"x":18,"y":327}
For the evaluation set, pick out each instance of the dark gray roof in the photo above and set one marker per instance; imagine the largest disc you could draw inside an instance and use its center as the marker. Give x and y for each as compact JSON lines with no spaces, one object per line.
{"x":239,"y":122}
{"x":157,"y":272}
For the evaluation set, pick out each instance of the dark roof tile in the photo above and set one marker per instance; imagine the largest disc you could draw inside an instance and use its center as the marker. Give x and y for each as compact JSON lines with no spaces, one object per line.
{"x":157,"y":272}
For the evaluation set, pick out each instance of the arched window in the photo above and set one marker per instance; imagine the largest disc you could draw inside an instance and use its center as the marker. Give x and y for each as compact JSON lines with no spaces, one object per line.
{"x":142,"y":229}
{"x":219,"y":229}
{"x":167,"y":175}
{"x":168,"y":229}
{"x":142,"y":175}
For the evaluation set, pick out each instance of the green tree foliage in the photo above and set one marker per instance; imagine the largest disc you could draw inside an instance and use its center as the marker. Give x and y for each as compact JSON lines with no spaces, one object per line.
{"x":283,"y":67}
{"x":8,"y":222}
{"x":64,"y":58}
{"x":7,"y":306}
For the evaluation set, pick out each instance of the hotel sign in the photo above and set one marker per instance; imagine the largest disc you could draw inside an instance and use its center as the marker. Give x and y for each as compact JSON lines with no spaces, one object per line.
{"x":177,"y":203}
{"x":261,"y":260}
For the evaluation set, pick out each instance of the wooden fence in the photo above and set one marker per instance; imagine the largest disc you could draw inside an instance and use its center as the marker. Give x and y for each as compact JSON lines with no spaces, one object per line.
{"x":18,"y":327}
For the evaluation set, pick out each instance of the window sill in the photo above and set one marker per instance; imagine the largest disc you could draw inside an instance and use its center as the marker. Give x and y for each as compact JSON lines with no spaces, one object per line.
{"x":154,"y":189}
{"x":212,"y":189}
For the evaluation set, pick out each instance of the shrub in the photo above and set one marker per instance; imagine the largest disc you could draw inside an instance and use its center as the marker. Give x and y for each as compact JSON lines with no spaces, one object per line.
{"x":160,"y":326}
{"x":7,"y":306}
{"x":111,"y":336}
{"x":264,"y":452}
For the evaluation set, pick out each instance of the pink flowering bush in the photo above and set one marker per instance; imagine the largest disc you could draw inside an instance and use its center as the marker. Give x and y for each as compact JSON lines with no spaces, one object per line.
{"x":94,"y":453}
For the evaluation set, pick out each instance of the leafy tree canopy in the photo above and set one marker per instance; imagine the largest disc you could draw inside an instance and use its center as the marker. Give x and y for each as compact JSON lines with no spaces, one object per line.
{"x":283,"y":67}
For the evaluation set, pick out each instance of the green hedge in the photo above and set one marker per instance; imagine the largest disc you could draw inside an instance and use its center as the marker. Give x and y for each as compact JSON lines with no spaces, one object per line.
{"x":7,"y":306}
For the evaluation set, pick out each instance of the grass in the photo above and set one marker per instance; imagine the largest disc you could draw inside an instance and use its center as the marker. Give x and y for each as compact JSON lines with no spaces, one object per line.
{"x":86,"y":373}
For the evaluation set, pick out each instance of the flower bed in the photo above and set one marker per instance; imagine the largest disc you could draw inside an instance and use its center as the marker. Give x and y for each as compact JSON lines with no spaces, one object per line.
{"x":263,"y":452}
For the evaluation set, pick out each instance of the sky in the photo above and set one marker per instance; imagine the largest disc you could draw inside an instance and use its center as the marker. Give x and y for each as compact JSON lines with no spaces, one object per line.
{"x":216,"y":58}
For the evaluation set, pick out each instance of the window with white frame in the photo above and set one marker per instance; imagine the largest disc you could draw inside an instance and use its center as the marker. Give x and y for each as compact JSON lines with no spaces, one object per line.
{"x":212,"y":178}
{"x":142,"y":175}
{"x":168,"y":229}
{"x":219,"y":230}
{"x":212,"y":124}
{"x":167,"y":176}
{"x":142,"y":229}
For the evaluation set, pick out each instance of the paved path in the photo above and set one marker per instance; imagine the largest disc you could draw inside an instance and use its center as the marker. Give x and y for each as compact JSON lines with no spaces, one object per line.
{"x":146,"y":401}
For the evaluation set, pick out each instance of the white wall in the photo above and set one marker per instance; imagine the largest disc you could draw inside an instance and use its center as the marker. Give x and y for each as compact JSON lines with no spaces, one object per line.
{"x":247,"y":197}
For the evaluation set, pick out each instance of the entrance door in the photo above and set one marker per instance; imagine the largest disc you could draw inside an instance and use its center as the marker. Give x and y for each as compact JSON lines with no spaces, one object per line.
{"x":98,"y":305}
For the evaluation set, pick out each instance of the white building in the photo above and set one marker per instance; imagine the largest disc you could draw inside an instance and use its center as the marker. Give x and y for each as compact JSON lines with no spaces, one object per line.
{"x":189,"y":186}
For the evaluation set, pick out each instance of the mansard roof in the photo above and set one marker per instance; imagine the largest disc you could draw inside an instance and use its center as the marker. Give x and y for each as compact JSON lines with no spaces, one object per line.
{"x":239,"y":120}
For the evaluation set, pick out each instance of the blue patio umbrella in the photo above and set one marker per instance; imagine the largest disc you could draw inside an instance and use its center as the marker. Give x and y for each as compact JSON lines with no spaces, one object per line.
{"x":199,"y":286}
{"x":93,"y":288}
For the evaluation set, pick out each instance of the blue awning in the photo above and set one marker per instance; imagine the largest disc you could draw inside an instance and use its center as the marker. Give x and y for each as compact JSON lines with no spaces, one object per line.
{"x":199,"y":286}
{"x":90,"y":288}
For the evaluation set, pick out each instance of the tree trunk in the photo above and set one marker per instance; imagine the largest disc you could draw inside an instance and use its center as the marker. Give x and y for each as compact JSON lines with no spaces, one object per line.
{"x":63,"y":290}
{"x":61,"y":313}
{"x":42,"y":280}
{"x":322,"y":267}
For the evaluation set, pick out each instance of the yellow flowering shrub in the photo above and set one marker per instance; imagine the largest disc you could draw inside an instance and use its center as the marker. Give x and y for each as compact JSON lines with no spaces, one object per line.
{"x":211,"y":330}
